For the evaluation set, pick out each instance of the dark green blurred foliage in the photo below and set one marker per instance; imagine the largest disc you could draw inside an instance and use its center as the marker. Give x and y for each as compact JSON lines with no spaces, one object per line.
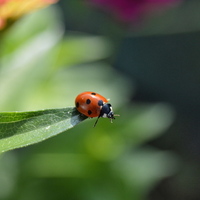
{"x":166,"y":68}
{"x":45,"y":65}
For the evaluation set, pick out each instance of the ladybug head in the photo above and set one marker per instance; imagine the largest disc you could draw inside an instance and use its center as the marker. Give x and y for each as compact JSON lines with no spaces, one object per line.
{"x":106,"y":112}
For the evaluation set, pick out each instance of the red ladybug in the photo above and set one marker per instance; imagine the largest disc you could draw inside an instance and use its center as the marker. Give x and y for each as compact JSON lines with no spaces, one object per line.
{"x":92,"y":104}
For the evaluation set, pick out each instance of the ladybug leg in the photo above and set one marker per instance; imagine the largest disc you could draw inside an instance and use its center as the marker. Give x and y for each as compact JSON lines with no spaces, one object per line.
{"x":96,"y":121}
{"x":111,"y":119}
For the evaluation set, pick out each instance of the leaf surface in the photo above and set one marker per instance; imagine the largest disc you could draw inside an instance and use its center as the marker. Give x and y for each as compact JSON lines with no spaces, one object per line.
{"x":18,"y":129}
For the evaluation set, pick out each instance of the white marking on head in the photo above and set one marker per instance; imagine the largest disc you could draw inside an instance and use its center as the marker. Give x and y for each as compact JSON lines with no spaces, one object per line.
{"x":104,"y":115}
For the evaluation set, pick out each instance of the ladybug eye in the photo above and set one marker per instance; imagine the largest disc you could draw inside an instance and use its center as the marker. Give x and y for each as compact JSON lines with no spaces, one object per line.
{"x":111,"y":115}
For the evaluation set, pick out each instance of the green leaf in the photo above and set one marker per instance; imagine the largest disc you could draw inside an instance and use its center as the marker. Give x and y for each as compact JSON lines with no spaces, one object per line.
{"x":18,"y":129}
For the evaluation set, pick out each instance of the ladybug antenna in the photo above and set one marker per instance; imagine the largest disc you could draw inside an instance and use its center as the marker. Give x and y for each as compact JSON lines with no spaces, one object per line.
{"x":96,"y":121}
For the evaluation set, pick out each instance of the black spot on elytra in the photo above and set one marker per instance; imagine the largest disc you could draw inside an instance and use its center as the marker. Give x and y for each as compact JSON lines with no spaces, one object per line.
{"x":88,"y":101}
{"x":100,"y":103}
{"x":93,"y":93}
{"x":77,"y":104}
{"x":89,"y":112}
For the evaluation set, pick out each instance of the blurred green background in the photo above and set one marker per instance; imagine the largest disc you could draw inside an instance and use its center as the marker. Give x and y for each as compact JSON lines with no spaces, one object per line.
{"x":149,"y":72}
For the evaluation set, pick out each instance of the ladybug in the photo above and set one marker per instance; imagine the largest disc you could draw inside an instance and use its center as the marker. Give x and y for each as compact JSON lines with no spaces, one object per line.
{"x":92,"y":104}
